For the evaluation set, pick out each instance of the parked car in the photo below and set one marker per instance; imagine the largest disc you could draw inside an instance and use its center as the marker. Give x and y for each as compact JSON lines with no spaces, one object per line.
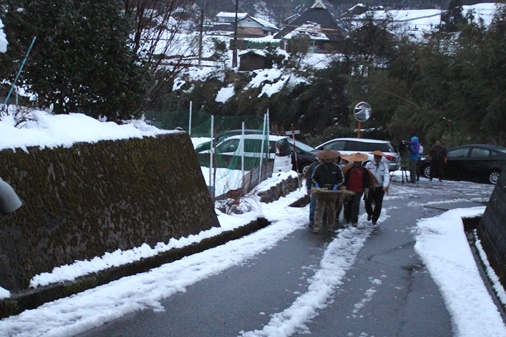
{"x":207,"y":145}
{"x":472,"y":162}
{"x":352,"y":145}
{"x":305,"y":155}
{"x":228,"y":152}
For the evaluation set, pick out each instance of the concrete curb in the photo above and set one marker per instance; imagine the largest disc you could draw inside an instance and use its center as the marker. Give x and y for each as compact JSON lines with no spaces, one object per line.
{"x":32,"y":298}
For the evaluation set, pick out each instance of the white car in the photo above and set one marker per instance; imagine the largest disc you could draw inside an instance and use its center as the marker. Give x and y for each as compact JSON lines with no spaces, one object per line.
{"x":364,"y":145}
{"x":228,"y":152}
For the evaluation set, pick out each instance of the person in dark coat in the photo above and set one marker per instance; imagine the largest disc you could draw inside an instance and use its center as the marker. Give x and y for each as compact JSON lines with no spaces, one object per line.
{"x":327,"y":177}
{"x":438,"y":159}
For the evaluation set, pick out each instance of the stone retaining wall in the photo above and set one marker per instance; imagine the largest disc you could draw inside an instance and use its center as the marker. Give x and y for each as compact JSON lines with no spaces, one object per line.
{"x":93,"y":198}
{"x":279,"y":190}
{"x":492,"y":229}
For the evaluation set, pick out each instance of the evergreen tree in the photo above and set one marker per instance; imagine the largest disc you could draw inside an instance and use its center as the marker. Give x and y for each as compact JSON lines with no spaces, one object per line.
{"x":453,"y":18}
{"x":491,"y":63}
{"x":371,"y":43}
{"x":298,"y":47}
{"x":80,"y":61}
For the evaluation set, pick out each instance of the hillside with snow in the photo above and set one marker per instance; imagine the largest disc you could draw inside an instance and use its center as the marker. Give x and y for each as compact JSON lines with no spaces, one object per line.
{"x":413,"y":23}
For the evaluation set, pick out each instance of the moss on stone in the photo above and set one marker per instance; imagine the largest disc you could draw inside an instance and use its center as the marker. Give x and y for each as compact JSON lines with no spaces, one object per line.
{"x":92,"y":198}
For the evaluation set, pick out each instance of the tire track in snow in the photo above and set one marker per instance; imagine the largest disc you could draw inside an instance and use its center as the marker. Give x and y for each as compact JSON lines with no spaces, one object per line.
{"x":339,"y":257}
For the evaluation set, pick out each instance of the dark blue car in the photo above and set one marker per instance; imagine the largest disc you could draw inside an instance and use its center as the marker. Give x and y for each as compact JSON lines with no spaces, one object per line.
{"x":481,"y":163}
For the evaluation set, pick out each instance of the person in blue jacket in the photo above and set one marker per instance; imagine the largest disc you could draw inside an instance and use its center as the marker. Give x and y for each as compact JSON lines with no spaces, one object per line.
{"x":414,"y":149}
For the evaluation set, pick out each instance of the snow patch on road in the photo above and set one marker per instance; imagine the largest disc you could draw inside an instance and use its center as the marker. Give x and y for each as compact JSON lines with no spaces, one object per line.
{"x":338,"y":258}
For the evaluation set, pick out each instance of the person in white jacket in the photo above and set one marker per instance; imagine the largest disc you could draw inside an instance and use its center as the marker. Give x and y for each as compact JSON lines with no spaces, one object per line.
{"x":374,"y":200}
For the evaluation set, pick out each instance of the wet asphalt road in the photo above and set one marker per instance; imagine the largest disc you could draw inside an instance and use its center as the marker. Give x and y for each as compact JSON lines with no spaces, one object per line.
{"x":387,"y":292}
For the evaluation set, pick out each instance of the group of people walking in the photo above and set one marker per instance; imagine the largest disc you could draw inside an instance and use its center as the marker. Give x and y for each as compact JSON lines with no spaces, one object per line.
{"x":340,"y":181}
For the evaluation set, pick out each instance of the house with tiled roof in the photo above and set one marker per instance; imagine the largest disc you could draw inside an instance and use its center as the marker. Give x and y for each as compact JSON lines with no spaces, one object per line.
{"x":247,"y":26}
{"x":321,"y":24}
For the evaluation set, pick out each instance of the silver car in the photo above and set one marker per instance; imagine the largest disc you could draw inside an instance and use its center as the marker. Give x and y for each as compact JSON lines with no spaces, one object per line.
{"x":364,"y":145}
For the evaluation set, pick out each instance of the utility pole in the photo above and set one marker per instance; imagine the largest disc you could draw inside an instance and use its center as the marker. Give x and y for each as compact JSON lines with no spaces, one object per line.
{"x":201,"y":31}
{"x":234,"y":47}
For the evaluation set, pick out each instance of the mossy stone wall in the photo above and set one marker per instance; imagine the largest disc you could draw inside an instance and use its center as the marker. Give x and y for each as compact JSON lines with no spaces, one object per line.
{"x":492,"y":229}
{"x":92,"y":198}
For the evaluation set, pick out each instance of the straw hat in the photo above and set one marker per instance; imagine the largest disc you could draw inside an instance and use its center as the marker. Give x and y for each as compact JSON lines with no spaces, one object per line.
{"x":356,"y":157}
{"x":378,"y":153}
{"x":328,"y":154}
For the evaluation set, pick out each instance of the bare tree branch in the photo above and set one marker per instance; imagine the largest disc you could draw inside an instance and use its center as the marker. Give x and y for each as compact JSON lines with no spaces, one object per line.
{"x":161,"y":37}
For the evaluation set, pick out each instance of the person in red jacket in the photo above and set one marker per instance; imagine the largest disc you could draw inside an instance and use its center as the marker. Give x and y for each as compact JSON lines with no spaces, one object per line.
{"x":356,"y":180}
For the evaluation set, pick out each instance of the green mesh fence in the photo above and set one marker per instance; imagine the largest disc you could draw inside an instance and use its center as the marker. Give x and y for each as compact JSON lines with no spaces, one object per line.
{"x":201,"y":121}
{"x":227,"y":178}
{"x":237,"y":161}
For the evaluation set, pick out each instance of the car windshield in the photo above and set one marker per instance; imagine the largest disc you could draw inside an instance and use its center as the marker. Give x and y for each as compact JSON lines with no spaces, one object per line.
{"x":229,"y":145}
{"x":339,"y":146}
{"x":203,"y":146}
{"x":302,"y":146}
{"x":369,"y":147}
{"x":231,"y":133}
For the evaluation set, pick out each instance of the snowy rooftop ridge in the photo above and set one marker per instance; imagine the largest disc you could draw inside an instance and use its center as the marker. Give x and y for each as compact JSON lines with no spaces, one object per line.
{"x":264,"y":23}
{"x":231,"y":15}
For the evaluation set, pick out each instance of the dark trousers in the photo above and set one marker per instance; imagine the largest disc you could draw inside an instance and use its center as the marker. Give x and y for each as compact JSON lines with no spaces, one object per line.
{"x":375,"y":198}
{"x":412,"y":170}
{"x":352,"y":207}
{"x":418,"y":169}
{"x":436,"y":169}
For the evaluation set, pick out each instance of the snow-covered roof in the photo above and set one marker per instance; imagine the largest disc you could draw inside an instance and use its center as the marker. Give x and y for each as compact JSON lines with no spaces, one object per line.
{"x":263,"y":23}
{"x":231,"y":15}
{"x":321,"y":20}
{"x":310,"y":29}
{"x":318,"y":4}
{"x":260,"y":52}
{"x":243,"y":16}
